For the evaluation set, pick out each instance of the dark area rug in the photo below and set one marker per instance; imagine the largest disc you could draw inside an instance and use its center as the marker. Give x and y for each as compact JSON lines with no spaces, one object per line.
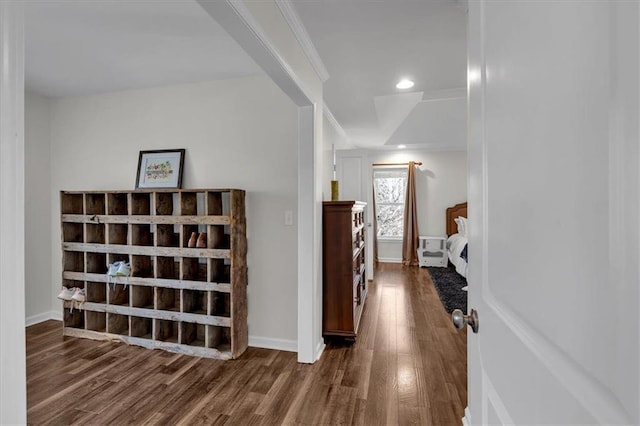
{"x":449,"y":285}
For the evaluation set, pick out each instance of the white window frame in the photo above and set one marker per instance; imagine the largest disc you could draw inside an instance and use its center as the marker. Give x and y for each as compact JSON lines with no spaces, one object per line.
{"x":378,"y":204}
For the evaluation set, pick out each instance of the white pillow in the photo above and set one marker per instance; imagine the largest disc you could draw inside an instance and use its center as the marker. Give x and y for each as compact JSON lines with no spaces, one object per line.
{"x":462,"y":225}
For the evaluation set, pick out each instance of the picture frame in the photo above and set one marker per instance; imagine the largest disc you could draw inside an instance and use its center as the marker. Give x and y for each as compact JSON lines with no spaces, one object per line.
{"x":161,"y":168}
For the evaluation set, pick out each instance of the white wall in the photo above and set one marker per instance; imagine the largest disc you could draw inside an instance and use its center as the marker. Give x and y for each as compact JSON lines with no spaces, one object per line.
{"x":441,"y":182}
{"x":13,"y":401}
{"x":237,"y":133}
{"x":331,"y":137}
{"x":39,"y":283}
{"x":262,"y":30}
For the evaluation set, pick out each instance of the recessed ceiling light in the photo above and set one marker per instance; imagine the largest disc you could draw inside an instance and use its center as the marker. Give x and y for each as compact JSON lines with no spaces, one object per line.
{"x":405,"y":84}
{"x":402,"y":146}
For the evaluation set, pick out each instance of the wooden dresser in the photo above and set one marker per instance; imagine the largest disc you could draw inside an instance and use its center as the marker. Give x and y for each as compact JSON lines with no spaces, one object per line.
{"x":343,"y":267}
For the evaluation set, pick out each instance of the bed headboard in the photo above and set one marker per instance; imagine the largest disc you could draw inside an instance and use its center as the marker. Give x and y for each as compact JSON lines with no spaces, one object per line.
{"x":452,"y":213}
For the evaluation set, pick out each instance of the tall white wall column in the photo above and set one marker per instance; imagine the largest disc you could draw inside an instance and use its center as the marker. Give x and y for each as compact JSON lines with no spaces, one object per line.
{"x":13,"y":395}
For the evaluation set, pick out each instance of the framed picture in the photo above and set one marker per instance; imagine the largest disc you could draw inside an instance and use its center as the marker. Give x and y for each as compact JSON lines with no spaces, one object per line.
{"x":160,"y":169}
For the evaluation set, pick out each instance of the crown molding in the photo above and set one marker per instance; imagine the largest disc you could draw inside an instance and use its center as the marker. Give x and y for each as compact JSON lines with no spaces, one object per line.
{"x":332,"y":120}
{"x":259,"y":46}
{"x":300,"y":32}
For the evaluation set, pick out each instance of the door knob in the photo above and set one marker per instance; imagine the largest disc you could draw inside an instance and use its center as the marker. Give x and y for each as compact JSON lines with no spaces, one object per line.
{"x":460,"y":320}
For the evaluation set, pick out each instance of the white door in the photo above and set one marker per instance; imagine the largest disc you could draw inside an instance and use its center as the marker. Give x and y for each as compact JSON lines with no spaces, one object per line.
{"x":553,"y":212}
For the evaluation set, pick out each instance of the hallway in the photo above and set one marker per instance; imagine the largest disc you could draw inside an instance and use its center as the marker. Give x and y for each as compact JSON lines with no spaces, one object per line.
{"x":408,"y":366}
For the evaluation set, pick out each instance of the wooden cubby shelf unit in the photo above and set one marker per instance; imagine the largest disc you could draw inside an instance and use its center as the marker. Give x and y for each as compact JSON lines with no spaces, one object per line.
{"x":180,"y":299}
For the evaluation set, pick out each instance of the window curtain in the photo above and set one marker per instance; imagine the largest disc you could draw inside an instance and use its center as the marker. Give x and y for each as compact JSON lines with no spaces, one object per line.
{"x":375,"y":224}
{"x":410,"y":234}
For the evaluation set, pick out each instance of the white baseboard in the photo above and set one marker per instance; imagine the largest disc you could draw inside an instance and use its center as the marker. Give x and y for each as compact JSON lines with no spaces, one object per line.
{"x":269,"y":343}
{"x":45,"y":316}
{"x":466,"y":420}
{"x":389,"y":260}
{"x":320,"y":349}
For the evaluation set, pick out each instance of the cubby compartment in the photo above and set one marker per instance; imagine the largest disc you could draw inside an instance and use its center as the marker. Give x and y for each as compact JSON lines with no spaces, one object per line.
{"x":141,"y":266}
{"x":214,"y":203}
{"x":188,"y":203}
{"x":118,"y":233}
{"x":219,"y":338}
{"x":95,"y":233}
{"x":96,"y":292}
{"x":72,"y":232}
{"x":117,"y":203}
{"x":140,"y":203}
{"x":220,"y":271}
{"x":164,"y":203}
{"x":220,"y":304}
{"x":166,"y":331}
{"x":96,"y":263}
{"x":167,"y":268}
{"x":141,"y":235}
{"x":117,"y":324}
{"x":118,"y":293}
{"x":142,"y":297}
{"x":187,"y":232}
{"x":72,"y":283}
{"x":73,"y":318}
{"x":168,"y":299}
{"x":192,"y":334}
{"x":97,"y":321}
{"x":141,"y":327}
{"x":71,"y":203}
{"x":94,"y":204}
{"x":194,"y":301}
{"x":73,"y":261}
{"x":167,"y":237}
{"x":117,"y":257}
{"x":194,"y":269}
{"x":218,"y":237}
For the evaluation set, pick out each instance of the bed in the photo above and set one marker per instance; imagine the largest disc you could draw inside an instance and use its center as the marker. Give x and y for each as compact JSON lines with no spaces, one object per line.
{"x":457,"y":237}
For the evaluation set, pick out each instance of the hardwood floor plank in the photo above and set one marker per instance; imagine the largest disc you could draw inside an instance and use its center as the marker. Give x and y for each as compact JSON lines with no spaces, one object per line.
{"x":203,"y":395}
{"x":340,"y":406}
{"x":285,"y":396}
{"x":357,"y":371}
{"x":407,"y":366}
{"x":295,"y":409}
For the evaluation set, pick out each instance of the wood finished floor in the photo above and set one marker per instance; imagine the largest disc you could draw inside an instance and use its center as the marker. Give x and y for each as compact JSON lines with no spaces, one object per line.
{"x":408,"y":366}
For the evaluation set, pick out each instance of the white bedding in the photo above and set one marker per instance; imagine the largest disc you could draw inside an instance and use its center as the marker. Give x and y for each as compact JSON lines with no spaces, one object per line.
{"x":455,"y":245}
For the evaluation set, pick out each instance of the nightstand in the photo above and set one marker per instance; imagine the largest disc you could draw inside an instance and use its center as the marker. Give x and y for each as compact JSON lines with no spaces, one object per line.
{"x":432,"y":251}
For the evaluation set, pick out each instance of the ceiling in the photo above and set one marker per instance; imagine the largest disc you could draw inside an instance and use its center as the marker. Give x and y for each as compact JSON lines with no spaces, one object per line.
{"x":76,"y":47}
{"x":367,"y":46}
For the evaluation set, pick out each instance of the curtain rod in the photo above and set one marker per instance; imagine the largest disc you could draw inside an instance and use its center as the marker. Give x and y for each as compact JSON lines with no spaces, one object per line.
{"x":417,"y":163}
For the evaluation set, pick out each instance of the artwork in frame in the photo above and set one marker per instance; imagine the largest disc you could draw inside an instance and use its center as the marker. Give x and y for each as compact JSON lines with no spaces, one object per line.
{"x":160,"y":169}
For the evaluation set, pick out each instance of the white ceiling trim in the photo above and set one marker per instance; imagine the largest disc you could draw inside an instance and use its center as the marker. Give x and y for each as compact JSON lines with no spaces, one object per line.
{"x":266,"y":56}
{"x":332,"y":120}
{"x":300,"y":32}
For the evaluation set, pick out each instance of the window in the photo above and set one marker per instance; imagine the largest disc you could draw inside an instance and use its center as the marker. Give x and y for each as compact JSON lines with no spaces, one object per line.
{"x":390,"y":186}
